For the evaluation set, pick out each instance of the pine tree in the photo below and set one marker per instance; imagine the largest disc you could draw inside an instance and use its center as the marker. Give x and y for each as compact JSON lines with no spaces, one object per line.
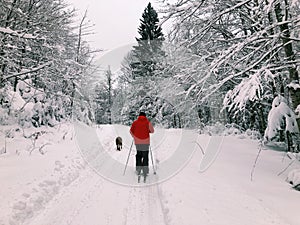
{"x":142,"y":71}
{"x":149,"y":47}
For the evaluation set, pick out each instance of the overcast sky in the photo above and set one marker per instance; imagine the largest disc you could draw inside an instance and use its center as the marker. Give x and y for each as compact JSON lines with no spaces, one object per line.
{"x":116,"y":21}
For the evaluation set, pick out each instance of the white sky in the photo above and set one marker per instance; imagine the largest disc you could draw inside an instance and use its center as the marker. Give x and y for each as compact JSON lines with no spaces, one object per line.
{"x":116,"y":21}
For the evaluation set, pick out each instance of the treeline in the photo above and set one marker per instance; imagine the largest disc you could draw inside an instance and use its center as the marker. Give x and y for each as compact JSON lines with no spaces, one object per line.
{"x":234,"y":62}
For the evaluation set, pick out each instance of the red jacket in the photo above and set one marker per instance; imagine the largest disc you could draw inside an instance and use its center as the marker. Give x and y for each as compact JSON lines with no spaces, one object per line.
{"x":140,"y":130}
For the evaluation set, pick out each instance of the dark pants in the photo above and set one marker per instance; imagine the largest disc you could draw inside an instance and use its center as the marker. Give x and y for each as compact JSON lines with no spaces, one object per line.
{"x":142,"y":158}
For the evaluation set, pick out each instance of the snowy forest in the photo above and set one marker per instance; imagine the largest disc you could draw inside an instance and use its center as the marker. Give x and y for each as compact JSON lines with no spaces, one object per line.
{"x":217,"y":79}
{"x":228,"y":62}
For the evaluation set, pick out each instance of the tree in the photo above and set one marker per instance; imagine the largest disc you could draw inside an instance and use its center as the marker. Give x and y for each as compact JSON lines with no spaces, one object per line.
{"x":281,"y":118}
{"x":283,"y":15}
{"x":109,"y":93}
{"x":142,"y":67}
{"x":234,"y":41}
{"x":149,"y":47}
{"x":104,"y":99}
{"x":42,"y":56}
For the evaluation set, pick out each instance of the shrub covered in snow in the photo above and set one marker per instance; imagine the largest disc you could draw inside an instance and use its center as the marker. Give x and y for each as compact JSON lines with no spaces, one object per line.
{"x":4,"y":118}
{"x":29,"y":107}
{"x":281,"y":118}
{"x":216,"y":129}
{"x":11,"y":103}
{"x":294,"y":178}
{"x":230,"y":130}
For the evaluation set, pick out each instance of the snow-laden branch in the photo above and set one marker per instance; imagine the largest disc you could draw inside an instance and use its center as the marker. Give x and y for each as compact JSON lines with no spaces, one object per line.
{"x":251,"y":89}
{"x":17,"y":34}
{"x":212,"y":89}
{"x":227,"y":55}
{"x":202,"y":32}
{"x":28,"y":71}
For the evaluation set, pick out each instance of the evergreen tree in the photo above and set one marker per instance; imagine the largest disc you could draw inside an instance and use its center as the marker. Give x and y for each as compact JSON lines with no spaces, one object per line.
{"x":149,"y":47}
{"x":142,"y":71}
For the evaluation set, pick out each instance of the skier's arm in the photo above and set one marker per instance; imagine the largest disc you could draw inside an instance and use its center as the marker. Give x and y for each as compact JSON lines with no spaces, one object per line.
{"x":132,"y":130}
{"x":151,"y":129}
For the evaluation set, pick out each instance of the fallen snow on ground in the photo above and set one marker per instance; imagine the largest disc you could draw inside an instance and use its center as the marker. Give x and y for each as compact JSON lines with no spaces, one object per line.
{"x":57,"y":187}
{"x":31,"y":178}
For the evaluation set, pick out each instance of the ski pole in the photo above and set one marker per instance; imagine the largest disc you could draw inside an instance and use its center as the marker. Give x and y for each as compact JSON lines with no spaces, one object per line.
{"x":128,"y":158}
{"x":152,"y":160}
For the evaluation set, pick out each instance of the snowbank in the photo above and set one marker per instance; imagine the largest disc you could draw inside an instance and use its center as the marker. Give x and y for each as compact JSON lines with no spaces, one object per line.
{"x":32,"y":176}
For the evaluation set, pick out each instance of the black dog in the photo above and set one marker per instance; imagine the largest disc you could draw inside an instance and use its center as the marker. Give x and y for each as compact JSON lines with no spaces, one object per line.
{"x":119,"y":143}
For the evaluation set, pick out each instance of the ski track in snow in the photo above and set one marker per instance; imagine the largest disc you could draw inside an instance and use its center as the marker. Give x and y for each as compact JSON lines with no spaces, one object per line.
{"x":71,"y":201}
{"x":82,"y":197}
{"x":85,"y":195}
{"x":145,"y":206}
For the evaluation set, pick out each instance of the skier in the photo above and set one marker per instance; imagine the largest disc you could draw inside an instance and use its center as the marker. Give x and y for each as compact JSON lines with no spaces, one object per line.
{"x":140,"y":130}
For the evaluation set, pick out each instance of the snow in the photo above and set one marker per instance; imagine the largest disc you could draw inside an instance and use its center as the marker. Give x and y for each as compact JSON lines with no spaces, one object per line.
{"x":250,"y":89}
{"x":294,"y":85}
{"x":59,"y":187}
{"x":297,"y":111}
{"x":280,"y":114}
{"x":16,"y":33}
{"x":17,"y":102}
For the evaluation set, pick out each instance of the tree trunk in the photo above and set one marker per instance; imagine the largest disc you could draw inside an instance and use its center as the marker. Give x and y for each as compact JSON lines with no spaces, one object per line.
{"x":109,"y":84}
{"x":289,"y":53}
{"x":174,"y":121}
{"x":72,"y":98}
{"x":179,"y":121}
{"x":289,"y":141}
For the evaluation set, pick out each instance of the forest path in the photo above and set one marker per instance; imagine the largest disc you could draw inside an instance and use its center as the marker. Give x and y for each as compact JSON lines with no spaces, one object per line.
{"x":224,"y":194}
{"x":92,"y":199}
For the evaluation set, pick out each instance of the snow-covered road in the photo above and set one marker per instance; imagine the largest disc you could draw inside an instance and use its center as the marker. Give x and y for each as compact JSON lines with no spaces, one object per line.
{"x":79,"y":195}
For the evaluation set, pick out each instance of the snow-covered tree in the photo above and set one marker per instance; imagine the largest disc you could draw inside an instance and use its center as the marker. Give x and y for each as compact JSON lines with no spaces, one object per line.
{"x":143,"y":73}
{"x":282,"y":118}
{"x":251,"y":98}
{"x":42,"y":54}
{"x":234,"y":40}
{"x":149,"y":44}
{"x":104,"y":99}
